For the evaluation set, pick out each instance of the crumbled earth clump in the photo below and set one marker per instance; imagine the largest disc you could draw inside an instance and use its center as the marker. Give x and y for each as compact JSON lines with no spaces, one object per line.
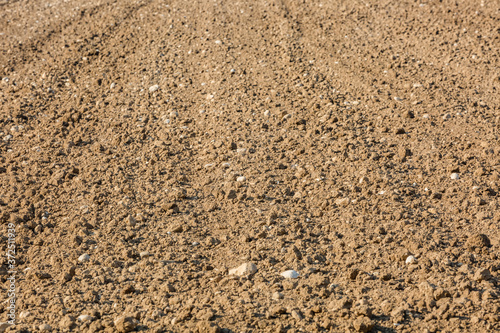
{"x":164,"y":162}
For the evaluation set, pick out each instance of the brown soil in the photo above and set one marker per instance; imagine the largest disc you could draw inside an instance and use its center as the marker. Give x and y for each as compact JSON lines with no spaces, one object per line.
{"x":172,"y":141}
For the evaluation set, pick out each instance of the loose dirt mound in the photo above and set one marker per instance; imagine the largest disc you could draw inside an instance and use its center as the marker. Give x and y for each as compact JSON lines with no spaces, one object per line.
{"x":281,"y":166}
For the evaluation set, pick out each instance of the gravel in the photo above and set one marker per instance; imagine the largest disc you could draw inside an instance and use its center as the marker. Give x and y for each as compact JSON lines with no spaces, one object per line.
{"x":290,"y":274}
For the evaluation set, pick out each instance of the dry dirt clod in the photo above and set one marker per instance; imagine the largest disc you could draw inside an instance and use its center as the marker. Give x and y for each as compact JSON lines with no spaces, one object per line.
{"x":67,"y":322}
{"x":478,"y":241}
{"x":363,"y":324}
{"x":125,"y":324}
{"x":244,"y":269}
{"x":4,"y":326}
{"x":482,"y":275}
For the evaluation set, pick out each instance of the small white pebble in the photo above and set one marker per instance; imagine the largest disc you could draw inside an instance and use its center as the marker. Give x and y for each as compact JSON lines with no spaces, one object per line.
{"x":291,"y":274}
{"x":154,"y":88}
{"x":411,"y":260}
{"x":218,"y":42}
{"x":266,"y":113}
{"x":241,"y":179}
{"x":16,"y":128}
{"x":84,"y":258}
{"x":233,"y":71}
{"x":425,"y":116}
{"x":454,"y":176}
{"x":85,"y":318}
{"x":7,"y":137}
{"x":24,"y":314}
{"x":112,"y":85}
{"x":45,"y":327}
{"x":144,"y":254}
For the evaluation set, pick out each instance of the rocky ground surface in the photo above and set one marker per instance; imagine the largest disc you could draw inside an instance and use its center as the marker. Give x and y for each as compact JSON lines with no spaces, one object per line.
{"x":251,"y":166}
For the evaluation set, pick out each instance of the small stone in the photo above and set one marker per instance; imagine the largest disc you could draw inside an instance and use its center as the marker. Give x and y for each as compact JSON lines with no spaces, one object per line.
{"x":154,"y":88}
{"x":410,"y":260}
{"x":24,"y":314}
{"x":125,"y":324}
{"x":290,"y":274}
{"x":241,"y":179}
{"x":85,"y":318}
{"x":44,"y":327}
{"x":296,"y":315}
{"x":455,"y":176}
{"x":363,"y":180}
{"x":244,"y":270}
{"x":84,"y":258}
{"x":277,"y":295}
{"x":144,"y":254}
{"x":342,"y":202}
{"x":400,"y":131}
{"x":266,"y":113}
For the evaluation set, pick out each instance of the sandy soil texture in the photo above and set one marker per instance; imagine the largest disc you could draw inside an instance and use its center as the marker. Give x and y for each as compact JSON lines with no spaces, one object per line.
{"x":250,"y":166}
